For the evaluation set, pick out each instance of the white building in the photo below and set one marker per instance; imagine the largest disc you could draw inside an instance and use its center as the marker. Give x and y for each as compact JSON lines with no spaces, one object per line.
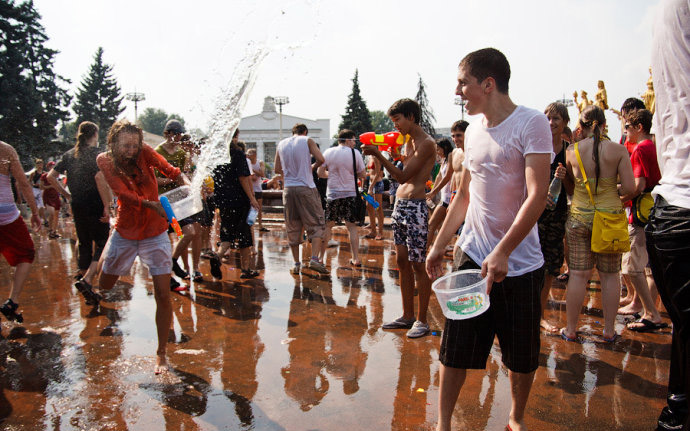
{"x":263,"y":131}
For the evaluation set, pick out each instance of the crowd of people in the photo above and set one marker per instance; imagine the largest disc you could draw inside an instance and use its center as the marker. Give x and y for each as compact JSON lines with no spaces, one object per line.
{"x":517,"y":189}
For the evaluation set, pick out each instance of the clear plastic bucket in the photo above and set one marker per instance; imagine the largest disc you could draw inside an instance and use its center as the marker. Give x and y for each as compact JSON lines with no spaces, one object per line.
{"x":462,"y":294}
{"x":183,"y":202}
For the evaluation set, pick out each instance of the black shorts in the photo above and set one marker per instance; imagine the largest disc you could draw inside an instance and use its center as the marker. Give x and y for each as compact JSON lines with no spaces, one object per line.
{"x":513,"y":317}
{"x":258,"y":195}
{"x":205,"y":217}
{"x":551,"y":226}
{"x":341,"y":209}
{"x":234,"y":228}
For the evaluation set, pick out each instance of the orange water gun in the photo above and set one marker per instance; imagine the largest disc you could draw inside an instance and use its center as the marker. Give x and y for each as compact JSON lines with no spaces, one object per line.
{"x":390,"y":141}
{"x":171,"y":216}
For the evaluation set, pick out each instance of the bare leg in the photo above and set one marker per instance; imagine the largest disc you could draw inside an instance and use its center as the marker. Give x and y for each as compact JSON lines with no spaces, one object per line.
{"x":435,"y":222}
{"x":406,"y":281}
{"x":610,"y":294}
{"x":639,"y":280}
{"x":245,"y":256}
{"x":634,"y":305}
{"x":90,"y":274}
{"x":317,"y":247}
{"x":424,"y":288}
{"x":520,"y":386}
{"x":354,"y":241}
{"x":20,"y":273}
{"x":630,"y":291}
{"x":372,"y":221}
{"x":196,"y":247}
{"x":379,"y":215}
{"x":545,"y":290}
{"x":326,"y":237}
{"x":451,"y":382}
{"x":574,"y":295}
{"x":260,"y":215}
{"x":161,"y":291}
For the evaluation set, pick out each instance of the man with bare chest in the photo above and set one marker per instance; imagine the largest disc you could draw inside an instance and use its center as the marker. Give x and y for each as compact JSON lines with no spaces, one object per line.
{"x":411,"y":214}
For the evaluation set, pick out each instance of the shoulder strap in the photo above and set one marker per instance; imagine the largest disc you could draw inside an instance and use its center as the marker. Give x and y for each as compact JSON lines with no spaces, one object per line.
{"x":354,"y":170}
{"x":584,"y":174}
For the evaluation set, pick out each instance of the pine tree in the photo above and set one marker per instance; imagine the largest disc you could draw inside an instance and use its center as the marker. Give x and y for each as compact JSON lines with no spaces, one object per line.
{"x":98,"y":98}
{"x":33,"y":99}
{"x":427,"y":120}
{"x":357,"y":117}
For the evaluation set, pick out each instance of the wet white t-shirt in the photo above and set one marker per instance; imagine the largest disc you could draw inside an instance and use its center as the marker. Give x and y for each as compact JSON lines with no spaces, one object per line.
{"x":341,"y":179}
{"x":295,"y":160}
{"x":495,"y":158}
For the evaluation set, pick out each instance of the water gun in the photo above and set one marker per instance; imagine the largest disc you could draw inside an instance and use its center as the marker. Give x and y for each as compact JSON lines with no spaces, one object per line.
{"x":171,"y":216}
{"x":371,"y":200}
{"x":387,"y":142}
{"x":429,"y":185}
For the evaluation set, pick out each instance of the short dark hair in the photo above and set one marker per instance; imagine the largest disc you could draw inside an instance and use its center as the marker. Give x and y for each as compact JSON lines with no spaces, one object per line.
{"x":488,"y":62}
{"x":558,"y":108}
{"x":300,"y":129}
{"x":641,"y":116}
{"x":632,"y":104}
{"x":346,"y":134}
{"x":407,"y":108}
{"x":460,"y":125}
{"x":445,"y":145}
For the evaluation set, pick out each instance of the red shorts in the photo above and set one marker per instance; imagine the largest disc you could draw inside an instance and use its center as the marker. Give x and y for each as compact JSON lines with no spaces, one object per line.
{"x":16,"y":243}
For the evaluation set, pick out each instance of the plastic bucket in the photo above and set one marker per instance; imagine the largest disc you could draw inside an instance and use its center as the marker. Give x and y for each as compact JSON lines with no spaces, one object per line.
{"x":462,"y":294}
{"x":183,"y":202}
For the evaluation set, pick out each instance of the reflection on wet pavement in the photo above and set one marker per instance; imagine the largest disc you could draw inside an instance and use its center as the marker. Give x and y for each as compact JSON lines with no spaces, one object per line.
{"x":284,"y":352}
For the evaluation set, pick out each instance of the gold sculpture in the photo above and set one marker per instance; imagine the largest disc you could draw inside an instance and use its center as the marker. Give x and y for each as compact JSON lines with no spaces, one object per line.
{"x":584,"y":103}
{"x":648,"y":96}
{"x":600,"y":98}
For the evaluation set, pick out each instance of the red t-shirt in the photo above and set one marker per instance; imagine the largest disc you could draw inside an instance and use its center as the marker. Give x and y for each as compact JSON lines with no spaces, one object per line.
{"x":645,"y":164}
{"x":134,"y":221}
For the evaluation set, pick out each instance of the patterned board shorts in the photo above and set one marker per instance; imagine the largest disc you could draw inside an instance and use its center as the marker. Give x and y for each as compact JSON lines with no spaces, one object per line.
{"x":378,"y":188}
{"x":580,"y":254}
{"x":341,"y":209}
{"x":411,"y":227}
{"x":551,"y":227}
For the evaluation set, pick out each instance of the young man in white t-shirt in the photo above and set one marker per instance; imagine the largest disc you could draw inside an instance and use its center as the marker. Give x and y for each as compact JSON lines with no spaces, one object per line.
{"x":507,"y":156}
{"x":341,"y":193}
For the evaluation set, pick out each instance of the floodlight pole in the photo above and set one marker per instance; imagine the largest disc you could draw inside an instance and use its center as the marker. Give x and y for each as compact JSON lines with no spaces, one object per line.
{"x":460,"y":101}
{"x":280,"y":101}
{"x":136,"y":98}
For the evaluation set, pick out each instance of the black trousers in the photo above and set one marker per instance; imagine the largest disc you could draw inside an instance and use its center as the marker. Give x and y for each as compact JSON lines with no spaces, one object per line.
{"x":668,"y":246}
{"x":90,"y":230}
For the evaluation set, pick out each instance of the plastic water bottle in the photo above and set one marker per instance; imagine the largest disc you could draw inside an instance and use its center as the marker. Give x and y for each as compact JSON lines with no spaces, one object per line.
{"x":554,"y":191}
{"x":251,"y":217}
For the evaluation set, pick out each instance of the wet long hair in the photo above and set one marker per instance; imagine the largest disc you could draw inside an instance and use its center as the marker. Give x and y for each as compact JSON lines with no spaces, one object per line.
{"x":118,"y":128}
{"x":86,"y":131}
{"x":592,"y":118}
{"x":446,"y":146}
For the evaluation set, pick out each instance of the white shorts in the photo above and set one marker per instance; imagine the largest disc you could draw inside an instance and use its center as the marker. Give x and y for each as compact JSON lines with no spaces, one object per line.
{"x":154,"y":252}
{"x":38,"y":197}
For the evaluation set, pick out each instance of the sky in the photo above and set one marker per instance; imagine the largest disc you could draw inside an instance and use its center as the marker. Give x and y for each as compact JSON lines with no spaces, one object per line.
{"x":181,"y":55}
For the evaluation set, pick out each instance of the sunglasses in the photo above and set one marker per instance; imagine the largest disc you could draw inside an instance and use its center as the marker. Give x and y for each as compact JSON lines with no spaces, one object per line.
{"x":627,"y":126}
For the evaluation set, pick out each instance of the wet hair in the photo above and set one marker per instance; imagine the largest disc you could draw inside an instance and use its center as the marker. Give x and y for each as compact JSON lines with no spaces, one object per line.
{"x":86,"y":131}
{"x":118,"y":128}
{"x":558,"y":108}
{"x":641,"y":116}
{"x":445,"y":145}
{"x":236,"y":134}
{"x":408,"y":108}
{"x":460,"y":125}
{"x":592,"y":118}
{"x":345,"y":134}
{"x":37,"y":161}
{"x":300,"y":129}
{"x":242,"y":146}
{"x":488,"y":62}
{"x":632,"y":104}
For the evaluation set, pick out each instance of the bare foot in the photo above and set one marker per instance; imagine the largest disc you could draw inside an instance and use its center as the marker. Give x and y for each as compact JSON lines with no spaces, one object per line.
{"x":514,"y":425}
{"x":161,"y":364}
{"x":630,"y":309}
{"x":625,"y":301}
{"x":548,"y":327}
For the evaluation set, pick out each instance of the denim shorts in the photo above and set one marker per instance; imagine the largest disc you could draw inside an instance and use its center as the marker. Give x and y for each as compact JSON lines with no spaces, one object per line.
{"x":154,"y":252}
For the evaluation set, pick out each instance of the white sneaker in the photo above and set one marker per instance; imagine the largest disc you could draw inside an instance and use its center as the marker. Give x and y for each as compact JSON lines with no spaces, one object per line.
{"x":333,"y":243}
{"x":419,"y":329}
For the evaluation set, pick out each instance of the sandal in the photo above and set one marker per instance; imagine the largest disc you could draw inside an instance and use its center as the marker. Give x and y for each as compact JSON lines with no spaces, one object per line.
{"x":566,"y":338}
{"x":647,"y":325}
{"x":610,"y":340}
{"x":563,"y":278}
{"x":249,"y":273}
{"x":358,"y":264}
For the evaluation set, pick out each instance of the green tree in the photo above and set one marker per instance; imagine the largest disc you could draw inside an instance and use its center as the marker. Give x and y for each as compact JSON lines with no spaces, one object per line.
{"x":153,"y":120}
{"x":98,"y":98}
{"x":381,"y":122}
{"x":427,"y":120}
{"x":33,"y":98}
{"x":357,"y":117}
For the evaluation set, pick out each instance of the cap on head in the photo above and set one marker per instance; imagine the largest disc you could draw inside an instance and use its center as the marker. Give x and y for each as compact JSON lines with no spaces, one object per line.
{"x":50,"y":165}
{"x":174,"y":126}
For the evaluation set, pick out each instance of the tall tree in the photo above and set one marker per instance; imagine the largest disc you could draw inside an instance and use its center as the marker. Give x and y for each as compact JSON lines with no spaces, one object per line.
{"x":153,"y":120}
{"x":98,"y":98}
{"x":381,"y":122}
{"x":427,"y":120}
{"x":33,"y":98}
{"x":357,"y":117}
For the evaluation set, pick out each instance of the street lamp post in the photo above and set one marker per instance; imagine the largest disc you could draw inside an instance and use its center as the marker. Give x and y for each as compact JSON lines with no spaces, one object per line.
{"x":280,"y":101}
{"x":460,"y":101}
{"x":567,"y":102}
{"x":136,"y":98}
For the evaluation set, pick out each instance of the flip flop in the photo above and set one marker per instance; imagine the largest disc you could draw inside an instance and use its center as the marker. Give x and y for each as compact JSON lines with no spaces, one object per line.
{"x":566,"y":338}
{"x":352,"y":262}
{"x":610,"y":340}
{"x":647,"y":325}
{"x":563,"y":277}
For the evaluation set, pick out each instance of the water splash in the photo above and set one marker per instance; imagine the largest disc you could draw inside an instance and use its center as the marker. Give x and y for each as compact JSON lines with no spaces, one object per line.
{"x":229,"y":106}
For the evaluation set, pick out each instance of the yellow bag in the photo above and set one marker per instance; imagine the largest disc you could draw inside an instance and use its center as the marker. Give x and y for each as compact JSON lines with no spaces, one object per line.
{"x":641,"y":208}
{"x":609,"y":230}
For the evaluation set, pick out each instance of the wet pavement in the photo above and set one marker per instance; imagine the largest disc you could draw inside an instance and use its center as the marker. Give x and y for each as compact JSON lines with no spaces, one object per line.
{"x":284,"y":352}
